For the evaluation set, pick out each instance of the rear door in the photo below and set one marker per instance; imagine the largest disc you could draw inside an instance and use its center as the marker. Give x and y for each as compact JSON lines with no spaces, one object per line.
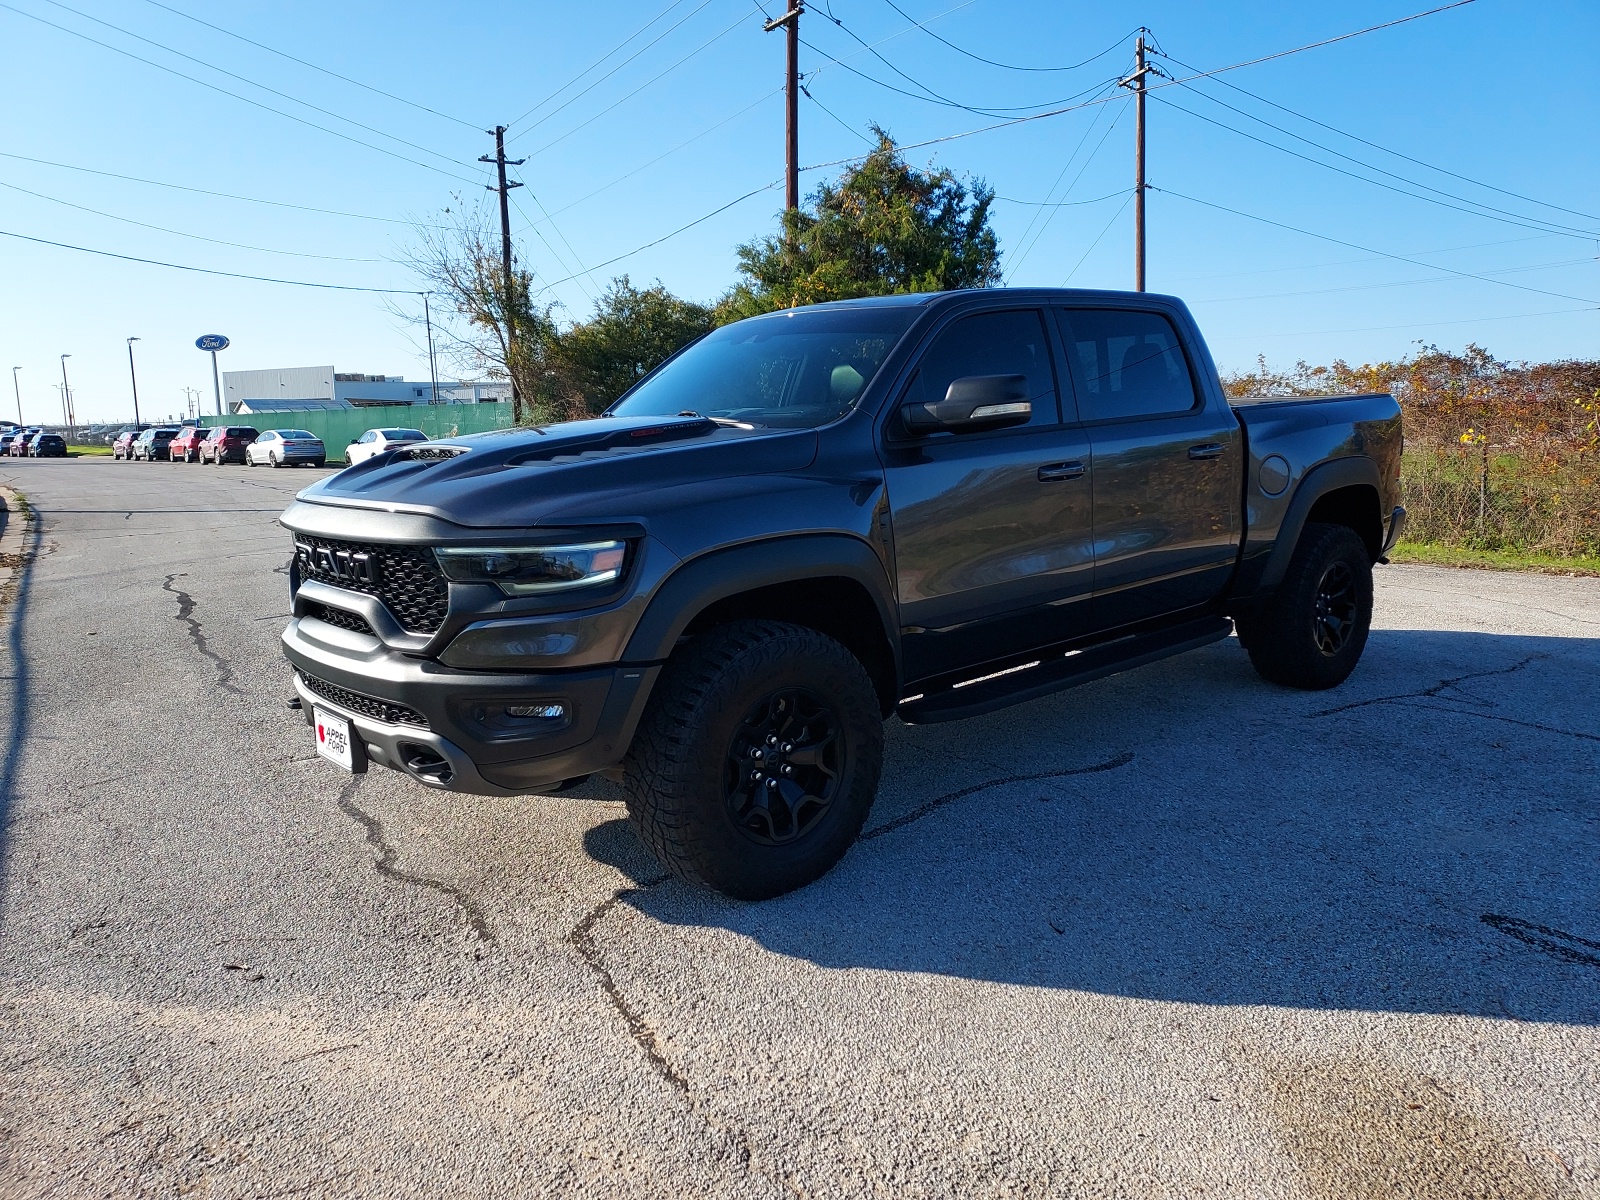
{"x":992,"y":530}
{"x":1167,"y":466}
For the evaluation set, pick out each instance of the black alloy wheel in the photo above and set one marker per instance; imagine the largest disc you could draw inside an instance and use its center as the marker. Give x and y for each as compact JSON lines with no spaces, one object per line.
{"x":784,"y":767}
{"x":1334,"y":611}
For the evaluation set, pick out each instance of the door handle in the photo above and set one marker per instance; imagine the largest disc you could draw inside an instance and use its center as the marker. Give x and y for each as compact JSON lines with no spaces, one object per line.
{"x":1207,"y":450}
{"x":1059,"y":471}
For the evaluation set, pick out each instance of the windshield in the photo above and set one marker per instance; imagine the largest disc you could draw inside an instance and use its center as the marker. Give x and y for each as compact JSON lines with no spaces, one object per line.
{"x":295,"y":435}
{"x":791,"y":370}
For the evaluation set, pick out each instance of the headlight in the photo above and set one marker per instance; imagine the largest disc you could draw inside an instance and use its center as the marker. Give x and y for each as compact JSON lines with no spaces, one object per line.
{"x":529,"y":570}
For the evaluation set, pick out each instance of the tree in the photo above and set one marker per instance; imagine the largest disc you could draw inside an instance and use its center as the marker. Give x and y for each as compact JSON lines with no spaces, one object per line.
{"x":883,"y":228}
{"x":496,"y":333}
{"x":630,"y":333}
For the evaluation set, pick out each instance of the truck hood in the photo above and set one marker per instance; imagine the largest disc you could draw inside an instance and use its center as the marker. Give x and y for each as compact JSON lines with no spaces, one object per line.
{"x":574,"y":472}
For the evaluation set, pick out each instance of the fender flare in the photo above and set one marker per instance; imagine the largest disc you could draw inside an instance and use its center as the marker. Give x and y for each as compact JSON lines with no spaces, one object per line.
{"x":1318,"y":482}
{"x":701,"y":582}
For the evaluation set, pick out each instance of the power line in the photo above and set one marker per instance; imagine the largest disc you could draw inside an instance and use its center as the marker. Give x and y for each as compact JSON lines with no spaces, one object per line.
{"x":327,"y":112}
{"x":776,"y":183}
{"x":806,"y":92}
{"x":666,"y":153}
{"x":1387,"y":150}
{"x":1062,"y":203}
{"x":1369,"y":250}
{"x":329,"y":212}
{"x":556,"y":254}
{"x":571,"y":99}
{"x":703,"y":46}
{"x":1345,"y":262}
{"x":473,"y":125}
{"x":1370,"y":287}
{"x":152,"y":262}
{"x":1516,"y":218}
{"x":1006,"y":124}
{"x":1100,"y":237}
{"x":1048,"y":211}
{"x":235,"y":95}
{"x":180,"y":233}
{"x":1010,"y":66}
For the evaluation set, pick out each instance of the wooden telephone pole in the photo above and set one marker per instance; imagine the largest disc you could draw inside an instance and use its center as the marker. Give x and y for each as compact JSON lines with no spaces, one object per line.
{"x":1139,"y":185}
{"x":790,"y":24}
{"x":509,"y":282}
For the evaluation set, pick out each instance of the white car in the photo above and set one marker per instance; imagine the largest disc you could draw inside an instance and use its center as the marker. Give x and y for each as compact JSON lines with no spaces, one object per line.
{"x":376,"y":441}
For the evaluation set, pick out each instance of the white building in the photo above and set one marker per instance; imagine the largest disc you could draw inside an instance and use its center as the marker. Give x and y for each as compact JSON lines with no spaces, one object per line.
{"x":324,"y":387}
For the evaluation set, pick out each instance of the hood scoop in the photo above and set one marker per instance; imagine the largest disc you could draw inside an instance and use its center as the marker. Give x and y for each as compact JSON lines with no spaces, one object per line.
{"x":429,"y":453}
{"x":613,"y":440}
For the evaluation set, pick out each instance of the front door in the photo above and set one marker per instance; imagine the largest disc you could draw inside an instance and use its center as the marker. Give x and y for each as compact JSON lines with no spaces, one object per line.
{"x":1167,"y":467}
{"x":992,"y":530}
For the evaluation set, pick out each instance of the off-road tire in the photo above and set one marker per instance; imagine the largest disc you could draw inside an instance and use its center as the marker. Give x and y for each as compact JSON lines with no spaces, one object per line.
{"x":1283,"y":639}
{"x":676,"y":772}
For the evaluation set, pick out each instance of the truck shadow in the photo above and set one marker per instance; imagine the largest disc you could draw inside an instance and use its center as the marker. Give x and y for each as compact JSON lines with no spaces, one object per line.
{"x":1422,"y":839}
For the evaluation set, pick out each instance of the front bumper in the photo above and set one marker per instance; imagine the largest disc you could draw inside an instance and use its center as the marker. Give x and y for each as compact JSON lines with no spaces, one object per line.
{"x":449,"y":728}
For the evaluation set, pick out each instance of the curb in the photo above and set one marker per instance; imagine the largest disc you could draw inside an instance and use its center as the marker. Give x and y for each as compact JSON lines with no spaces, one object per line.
{"x":14,"y":520}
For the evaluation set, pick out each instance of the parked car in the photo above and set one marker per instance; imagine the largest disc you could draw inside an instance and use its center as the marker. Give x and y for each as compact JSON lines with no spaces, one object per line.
{"x":286,"y":448}
{"x":48,"y":445}
{"x":153,"y":443}
{"x":226,"y":443}
{"x":926,"y":505}
{"x":376,"y":441}
{"x":122,"y":448}
{"x":19,"y":446}
{"x":6,"y":439}
{"x":186,"y":445}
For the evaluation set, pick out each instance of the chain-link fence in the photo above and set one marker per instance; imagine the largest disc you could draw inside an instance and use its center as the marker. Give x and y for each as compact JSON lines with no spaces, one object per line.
{"x":1501,"y":502}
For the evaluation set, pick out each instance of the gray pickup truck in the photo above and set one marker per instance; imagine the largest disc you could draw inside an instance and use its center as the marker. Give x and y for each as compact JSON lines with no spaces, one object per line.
{"x":804,"y":523}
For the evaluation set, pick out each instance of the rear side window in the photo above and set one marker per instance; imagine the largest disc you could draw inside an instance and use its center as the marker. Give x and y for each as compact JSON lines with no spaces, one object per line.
{"x":1131,"y":364}
{"x":995,"y":343}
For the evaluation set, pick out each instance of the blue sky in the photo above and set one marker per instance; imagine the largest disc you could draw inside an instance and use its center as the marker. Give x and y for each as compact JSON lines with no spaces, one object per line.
{"x":1496,"y":91}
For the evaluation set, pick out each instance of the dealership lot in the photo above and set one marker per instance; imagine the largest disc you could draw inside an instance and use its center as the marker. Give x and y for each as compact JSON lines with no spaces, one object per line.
{"x":1174,"y":933}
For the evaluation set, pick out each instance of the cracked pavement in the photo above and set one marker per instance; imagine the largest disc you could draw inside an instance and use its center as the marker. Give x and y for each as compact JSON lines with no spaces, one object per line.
{"x":1175,"y":933}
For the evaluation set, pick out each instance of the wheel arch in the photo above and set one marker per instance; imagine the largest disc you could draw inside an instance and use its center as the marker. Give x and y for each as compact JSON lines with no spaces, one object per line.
{"x":1342,"y":492}
{"x":832,"y":583}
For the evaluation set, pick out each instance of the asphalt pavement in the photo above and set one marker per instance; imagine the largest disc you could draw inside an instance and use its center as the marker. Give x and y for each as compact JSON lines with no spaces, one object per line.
{"x":1177,"y":933}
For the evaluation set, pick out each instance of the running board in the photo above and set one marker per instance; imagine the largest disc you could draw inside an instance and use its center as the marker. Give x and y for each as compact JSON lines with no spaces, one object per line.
{"x":1059,"y":671}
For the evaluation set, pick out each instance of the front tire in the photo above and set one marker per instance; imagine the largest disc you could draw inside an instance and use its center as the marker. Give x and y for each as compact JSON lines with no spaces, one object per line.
{"x":1313,"y":630}
{"x":756,"y":760}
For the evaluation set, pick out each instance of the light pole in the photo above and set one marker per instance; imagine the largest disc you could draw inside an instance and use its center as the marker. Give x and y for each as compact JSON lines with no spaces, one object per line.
{"x":66,"y":394}
{"x":135,"y":379}
{"x":18,"y":391}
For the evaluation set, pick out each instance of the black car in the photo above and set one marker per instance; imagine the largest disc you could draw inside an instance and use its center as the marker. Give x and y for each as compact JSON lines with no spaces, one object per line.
{"x":48,"y":445}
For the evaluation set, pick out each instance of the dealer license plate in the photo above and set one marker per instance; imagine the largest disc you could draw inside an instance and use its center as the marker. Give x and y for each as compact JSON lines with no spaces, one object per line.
{"x":333,"y":739}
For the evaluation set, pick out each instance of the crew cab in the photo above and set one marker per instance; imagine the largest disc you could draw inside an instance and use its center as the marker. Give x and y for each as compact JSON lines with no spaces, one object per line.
{"x":806,"y":522}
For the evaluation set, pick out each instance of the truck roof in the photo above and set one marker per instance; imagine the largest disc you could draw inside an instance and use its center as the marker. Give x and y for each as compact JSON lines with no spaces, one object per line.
{"x":913,"y":299}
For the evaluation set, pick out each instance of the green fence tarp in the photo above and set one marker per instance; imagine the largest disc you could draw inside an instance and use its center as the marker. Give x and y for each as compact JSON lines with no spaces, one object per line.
{"x":338,"y":427}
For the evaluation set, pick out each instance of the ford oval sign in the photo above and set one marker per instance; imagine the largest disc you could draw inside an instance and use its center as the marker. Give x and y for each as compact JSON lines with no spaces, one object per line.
{"x":211,"y":341}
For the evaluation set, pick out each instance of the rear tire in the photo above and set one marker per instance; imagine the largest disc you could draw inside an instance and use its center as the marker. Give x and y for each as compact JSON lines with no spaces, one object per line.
{"x":274,"y":461}
{"x":756,"y":760}
{"x":1313,"y":630}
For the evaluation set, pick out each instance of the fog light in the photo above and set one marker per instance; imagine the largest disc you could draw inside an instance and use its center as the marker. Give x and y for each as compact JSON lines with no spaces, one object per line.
{"x":544,"y":712}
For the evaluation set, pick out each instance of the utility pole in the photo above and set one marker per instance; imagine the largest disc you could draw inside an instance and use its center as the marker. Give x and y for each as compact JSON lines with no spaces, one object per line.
{"x":192,"y":396}
{"x":790,"y":24}
{"x":433,"y":365}
{"x":504,"y":189}
{"x":18,"y":391}
{"x":1136,"y":82}
{"x":135,"y":380}
{"x":66,"y":393}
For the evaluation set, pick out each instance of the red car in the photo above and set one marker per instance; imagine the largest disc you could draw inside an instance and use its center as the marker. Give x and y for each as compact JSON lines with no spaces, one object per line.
{"x":226,"y":443}
{"x":123,"y":447}
{"x":186,"y":446}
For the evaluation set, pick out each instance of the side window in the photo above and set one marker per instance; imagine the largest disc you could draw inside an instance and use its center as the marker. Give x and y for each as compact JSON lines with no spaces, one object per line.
{"x":1131,"y":364}
{"x":997,"y":343}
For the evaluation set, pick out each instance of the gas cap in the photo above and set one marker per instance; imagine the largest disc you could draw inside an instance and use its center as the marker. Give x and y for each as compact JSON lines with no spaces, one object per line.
{"x":1274,"y":474}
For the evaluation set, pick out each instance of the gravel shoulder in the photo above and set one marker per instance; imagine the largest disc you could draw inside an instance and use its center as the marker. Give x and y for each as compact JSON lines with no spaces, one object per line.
{"x":1170,"y":934}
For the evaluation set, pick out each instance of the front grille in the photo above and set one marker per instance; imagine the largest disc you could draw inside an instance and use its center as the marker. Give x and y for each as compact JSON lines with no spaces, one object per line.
{"x":406,"y":578}
{"x":367,"y":706}
{"x":338,"y":616}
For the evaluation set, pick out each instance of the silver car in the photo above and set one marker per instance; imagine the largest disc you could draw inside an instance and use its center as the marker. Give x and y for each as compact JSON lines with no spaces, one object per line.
{"x":285,"y":447}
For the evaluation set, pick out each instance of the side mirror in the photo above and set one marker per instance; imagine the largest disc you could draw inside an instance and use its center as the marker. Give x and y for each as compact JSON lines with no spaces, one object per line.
{"x":972,"y":403}
{"x":352,"y":441}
